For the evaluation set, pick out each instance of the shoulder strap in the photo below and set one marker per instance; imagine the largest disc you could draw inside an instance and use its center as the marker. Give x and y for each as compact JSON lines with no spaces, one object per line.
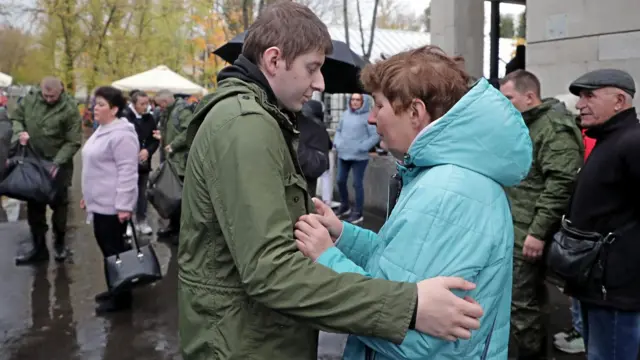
{"x":486,"y":345}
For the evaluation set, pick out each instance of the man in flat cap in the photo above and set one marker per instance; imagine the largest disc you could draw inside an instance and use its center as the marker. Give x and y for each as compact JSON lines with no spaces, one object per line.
{"x":606,"y":200}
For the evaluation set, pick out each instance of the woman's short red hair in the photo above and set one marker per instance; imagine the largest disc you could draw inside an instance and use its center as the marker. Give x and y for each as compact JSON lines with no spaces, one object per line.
{"x":425,"y":73}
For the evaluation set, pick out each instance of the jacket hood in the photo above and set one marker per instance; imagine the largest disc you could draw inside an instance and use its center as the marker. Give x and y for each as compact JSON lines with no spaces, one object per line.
{"x":483,"y":132}
{"x":249,"y":72}
{"x":241,"y":78}
{"x":121,"y":125}
{"x":366,"y":102}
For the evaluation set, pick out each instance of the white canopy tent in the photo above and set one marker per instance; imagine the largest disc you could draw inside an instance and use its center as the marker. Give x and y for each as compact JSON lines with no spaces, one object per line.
{"x":157,"y":79}
{"x":5,"y":80}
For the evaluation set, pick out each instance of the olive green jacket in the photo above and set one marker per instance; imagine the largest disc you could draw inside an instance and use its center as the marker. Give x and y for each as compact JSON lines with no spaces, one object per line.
{"x":540,"y":200}
{"x":245,"y":291}
{"x":55,"y":131}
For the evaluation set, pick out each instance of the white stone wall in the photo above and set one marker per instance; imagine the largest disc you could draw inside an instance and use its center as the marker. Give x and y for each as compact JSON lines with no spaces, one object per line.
{"x":567,"y":38}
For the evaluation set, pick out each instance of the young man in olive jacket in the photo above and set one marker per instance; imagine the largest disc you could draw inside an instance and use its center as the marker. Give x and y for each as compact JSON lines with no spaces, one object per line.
{"x":245,"y":291}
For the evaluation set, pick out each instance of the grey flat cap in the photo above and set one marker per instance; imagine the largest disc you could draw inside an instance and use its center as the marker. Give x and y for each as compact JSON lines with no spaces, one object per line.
{"x":598,"y":79}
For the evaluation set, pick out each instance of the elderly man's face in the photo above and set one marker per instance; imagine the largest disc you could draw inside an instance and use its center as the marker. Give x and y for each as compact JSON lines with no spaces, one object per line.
{"x":51,"y":96}
{"x":598,"y":106}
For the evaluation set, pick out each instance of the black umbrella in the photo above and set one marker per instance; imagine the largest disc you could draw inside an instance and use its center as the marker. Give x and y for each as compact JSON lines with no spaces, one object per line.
{"x":341,"y":69}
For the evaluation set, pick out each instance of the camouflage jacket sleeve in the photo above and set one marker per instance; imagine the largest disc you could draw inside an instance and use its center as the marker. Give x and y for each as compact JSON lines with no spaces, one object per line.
{"x":560,"y":157}
{"x":179,"y":143}
{"x":17,"y":119}
{"x":72,"y":124}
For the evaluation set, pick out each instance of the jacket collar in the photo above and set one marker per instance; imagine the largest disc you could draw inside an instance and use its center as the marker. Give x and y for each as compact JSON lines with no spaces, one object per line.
{"x":533,"y":114}
{"x":249,"y":73}
{"x":620,"y":121}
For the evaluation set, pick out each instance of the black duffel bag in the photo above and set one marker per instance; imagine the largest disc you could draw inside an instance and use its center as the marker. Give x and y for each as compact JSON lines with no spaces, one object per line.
{"x":164,"y":191}
{"x":28,"y":178}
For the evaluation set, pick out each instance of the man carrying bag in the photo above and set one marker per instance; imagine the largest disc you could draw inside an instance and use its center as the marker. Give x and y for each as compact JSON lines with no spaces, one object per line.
{"x":597,"y":250}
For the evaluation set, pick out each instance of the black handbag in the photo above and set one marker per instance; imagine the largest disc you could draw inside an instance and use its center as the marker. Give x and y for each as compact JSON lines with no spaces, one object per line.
{"x":136,"y":267}
{"x":578,"y":256}
{"x":165,"y":190}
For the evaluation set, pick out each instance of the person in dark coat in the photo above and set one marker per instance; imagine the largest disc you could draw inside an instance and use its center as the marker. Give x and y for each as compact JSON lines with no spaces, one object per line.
{"x":314,"y":145}
{"x":606,"y":200}
{"x":137,"y":113}
{"x":6,"y":131}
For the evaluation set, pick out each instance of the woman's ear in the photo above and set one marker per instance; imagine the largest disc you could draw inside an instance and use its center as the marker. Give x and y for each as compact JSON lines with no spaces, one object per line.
{"x":419,"y":115}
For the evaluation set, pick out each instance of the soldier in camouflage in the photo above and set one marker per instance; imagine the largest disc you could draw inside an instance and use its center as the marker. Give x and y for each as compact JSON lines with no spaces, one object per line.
{"x":48,"y":120}
{"x":174,"y":121}
{"x":538,"y":203}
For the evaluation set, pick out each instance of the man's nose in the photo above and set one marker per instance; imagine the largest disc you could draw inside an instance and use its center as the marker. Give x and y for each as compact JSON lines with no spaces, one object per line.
{"x":372,"y":118}
{"x":318,"y":82}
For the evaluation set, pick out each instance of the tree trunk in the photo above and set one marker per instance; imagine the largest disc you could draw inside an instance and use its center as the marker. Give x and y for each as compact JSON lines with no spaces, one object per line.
{"x":260,"y":6}
{"x":373,"y":29}
{"x":364,"y":52}
{"x":246,"y":10}
{"x":346,"y":22}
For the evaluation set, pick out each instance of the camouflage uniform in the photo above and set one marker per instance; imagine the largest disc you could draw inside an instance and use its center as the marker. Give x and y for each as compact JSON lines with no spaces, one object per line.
{"x":55,"y":133}
{"x":537,"y":205}
{"x":174,"y":123}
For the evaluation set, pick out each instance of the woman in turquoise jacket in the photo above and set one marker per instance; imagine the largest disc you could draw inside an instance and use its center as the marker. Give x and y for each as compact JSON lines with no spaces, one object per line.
{"x":452,"y":217}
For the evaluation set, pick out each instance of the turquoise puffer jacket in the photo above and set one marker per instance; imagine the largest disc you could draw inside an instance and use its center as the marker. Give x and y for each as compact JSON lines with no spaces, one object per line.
{"x":452,"y":219}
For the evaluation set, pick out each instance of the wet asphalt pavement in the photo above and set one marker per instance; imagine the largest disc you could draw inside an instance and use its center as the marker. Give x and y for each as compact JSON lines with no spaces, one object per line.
{"x":47,"y":311}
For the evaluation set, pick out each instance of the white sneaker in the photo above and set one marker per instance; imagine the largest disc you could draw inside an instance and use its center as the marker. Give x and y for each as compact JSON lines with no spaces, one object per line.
{"x":572,"y":344}
{"x":144,"y":228}
{"x":562,"y":334}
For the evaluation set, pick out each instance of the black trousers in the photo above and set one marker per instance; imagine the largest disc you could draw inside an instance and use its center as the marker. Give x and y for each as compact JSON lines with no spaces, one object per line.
{"x":109,"y":233}
{"x":37,"y":215}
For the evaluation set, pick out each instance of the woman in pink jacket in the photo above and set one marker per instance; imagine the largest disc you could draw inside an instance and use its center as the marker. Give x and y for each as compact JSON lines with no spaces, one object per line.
{"x":110,"y":183}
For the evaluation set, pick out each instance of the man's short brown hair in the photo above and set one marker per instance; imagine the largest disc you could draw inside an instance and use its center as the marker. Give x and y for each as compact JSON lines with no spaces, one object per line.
{"x":523,"y":81}
{"x":425,"y":73}
{"x":291,"y":27}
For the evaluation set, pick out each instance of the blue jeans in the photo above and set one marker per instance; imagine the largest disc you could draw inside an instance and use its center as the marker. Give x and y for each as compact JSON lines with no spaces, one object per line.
{"x":358,"y":167}
{"x":576,"y":315}
{"x":610,"y":334}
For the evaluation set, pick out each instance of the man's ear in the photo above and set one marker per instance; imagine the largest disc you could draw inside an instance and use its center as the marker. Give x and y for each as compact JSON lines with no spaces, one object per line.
{"x":271,"y":60}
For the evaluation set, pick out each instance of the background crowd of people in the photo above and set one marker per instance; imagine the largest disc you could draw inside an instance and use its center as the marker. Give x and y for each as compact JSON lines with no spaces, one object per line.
{"x":493,"y":178}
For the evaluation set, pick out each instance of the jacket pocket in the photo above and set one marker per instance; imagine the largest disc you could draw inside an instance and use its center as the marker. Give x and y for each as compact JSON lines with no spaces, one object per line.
{"x":296,"y":195}
{"x":622,"y":266}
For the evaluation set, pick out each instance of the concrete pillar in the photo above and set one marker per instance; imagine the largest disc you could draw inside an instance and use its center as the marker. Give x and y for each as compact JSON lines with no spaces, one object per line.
{"x":457,"y":26}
